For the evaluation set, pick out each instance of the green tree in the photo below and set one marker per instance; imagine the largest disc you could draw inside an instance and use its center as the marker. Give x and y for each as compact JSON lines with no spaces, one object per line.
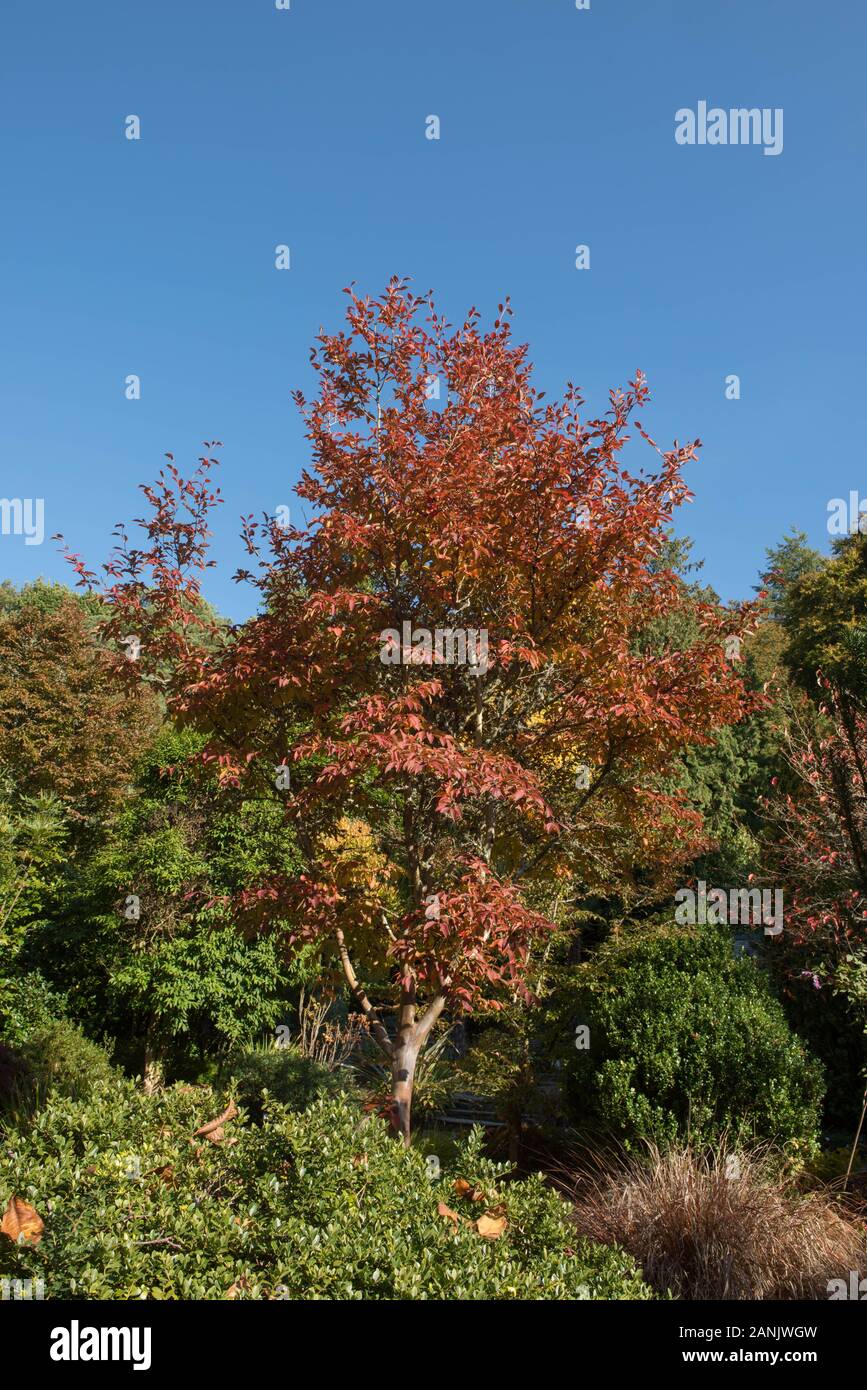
{"x":147,"y":946}
{"x":825,"y":618}
{"x":787,"y":563}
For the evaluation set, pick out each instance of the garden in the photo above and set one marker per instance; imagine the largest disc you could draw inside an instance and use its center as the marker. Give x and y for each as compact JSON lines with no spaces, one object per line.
{"x":338,"y":962}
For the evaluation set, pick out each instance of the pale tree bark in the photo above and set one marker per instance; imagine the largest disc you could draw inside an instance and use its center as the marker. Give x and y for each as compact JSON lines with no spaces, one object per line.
{"x":154,"y":1068}
{"x":404,"y":1052}
{"x":412,"y":1034}
{"x":377,"y":1028}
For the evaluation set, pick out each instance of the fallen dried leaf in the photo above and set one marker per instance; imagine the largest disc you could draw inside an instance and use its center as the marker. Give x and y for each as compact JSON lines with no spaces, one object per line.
{"x":468,"y":1189}
{"x":213,"y":1131}
{"x":448,"y":1213}
{"x":22,"y":1222}
{"x":491,"y":1227}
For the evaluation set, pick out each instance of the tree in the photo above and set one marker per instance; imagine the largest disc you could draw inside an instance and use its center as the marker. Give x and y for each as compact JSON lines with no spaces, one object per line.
{"x":69,"y":729}
{"x":825,"y":620}
{"x":143,"y":944}
{"x":450,"y":651}
{"x":816,"y":837}
{"x":819,"y":828}
{"x":726,"y":777}
{"x":32,"y":846}
{"x":787,"y":563}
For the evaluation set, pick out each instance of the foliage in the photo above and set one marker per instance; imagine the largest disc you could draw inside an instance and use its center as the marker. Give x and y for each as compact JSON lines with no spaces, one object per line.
{"x":725,"y":783}
{"x":817,"y":846}
{"x":685,"y":1041}
{"x":506,"y":1063}
{"x":831,"y":1024}
{"x":33,"y":834}
{"x":180,"y":977}
{"x":16,"y":1082}
{"x":722,"y":1225}
{"x":66,"y":727}
{"x":282,"y":1073}
{"x":63,"y":1060}
{"x":497,"y":514}
{"x":824,"y":615}
{"x":322,"y":1205}
{"x":791,"y":560}
{"x":27,"y":1003}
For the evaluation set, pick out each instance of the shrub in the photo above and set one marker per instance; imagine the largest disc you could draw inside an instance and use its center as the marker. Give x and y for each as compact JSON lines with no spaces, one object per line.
{"x":319,"y":1205}
{"x":686,"y":1041}
{"x":16,"y":1080}
{"x":702,"y":1230}
{"x":27,"y":1002}
{"x":285,"y":1074}
{"x":62,"y":1059}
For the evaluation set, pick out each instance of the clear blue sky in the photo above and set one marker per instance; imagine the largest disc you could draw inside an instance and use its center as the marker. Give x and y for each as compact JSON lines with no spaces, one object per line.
{"x":307,"y":127}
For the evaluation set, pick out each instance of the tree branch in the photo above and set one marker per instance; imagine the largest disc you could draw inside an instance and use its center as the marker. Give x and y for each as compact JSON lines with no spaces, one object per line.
{"x":360,"y":997}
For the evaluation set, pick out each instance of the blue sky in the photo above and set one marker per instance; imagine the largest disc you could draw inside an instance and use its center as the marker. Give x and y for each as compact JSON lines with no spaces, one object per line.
{"x":307,"y":127}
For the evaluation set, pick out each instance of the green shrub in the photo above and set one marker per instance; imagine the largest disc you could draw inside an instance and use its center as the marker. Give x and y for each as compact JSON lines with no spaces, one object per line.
{"x":832,"y":1026}
{"x":685,"y":1041}
{"x":62,"y":1059}
{"x":27,"y":1002}
{"x":288,"y":1077}
{"x":319,"y":1205}
{"x":16,"y":1081}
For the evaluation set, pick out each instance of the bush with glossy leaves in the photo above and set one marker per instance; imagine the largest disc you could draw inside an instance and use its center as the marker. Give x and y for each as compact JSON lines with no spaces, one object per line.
{"x":319,"y":1205}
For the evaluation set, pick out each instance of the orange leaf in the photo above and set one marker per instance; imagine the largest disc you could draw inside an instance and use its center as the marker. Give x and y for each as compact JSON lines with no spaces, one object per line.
{"x":491,"y":1227}
{"x":22,"y":1222}
{"x":213,"y":1130}
{"x":468,"y":1189}
{"x":448,"y":1213}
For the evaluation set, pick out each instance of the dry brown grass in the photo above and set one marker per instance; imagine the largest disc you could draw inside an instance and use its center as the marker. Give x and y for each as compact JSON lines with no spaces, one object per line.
{"x":703,"y":1235}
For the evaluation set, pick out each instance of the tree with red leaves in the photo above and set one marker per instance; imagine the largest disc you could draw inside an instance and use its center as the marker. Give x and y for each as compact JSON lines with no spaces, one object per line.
{"x":449,"y":662}
{"x":819,"y":833}
{"x":818,"y":811}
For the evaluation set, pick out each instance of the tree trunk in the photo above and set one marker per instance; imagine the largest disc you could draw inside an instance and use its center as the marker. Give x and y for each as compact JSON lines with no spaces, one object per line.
{"x":402,"y":1078}
{"x":154,"y":1071}
{"x":515,"y":1132}
{"x":411,"y":1037}
{"x":153,"y":1075}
